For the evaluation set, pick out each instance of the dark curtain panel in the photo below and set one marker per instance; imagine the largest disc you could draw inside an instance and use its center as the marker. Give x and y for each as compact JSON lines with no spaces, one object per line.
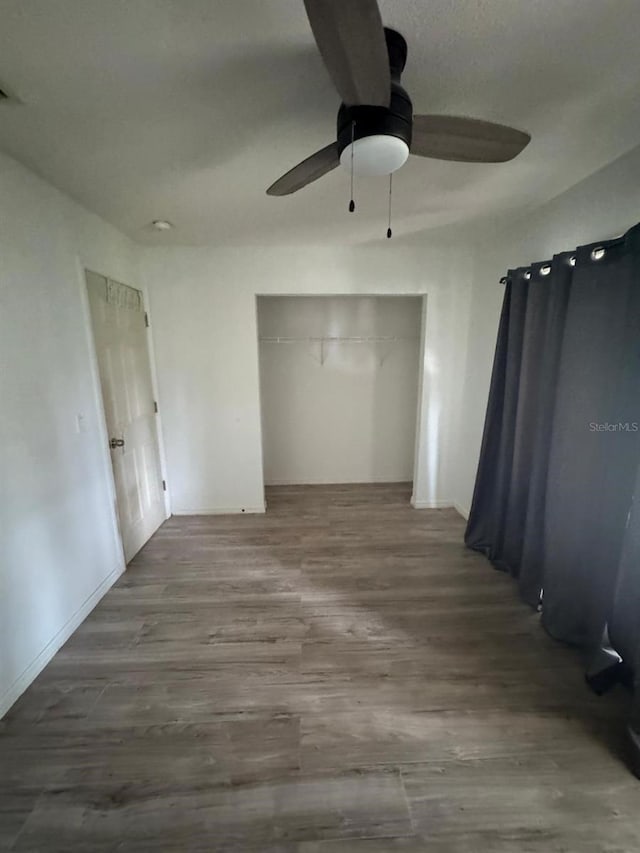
{"x":556,"y":286}
{"x":485,"y":529}
{"x":624,"y":627}
{"x":526,"y":419}
{"x":594,"y":448}
{"x":561,"y":444}
{"x":507,"y":513}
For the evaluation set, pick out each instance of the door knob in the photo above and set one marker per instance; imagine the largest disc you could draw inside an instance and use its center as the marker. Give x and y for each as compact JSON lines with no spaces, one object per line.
{"x":116,"y":442}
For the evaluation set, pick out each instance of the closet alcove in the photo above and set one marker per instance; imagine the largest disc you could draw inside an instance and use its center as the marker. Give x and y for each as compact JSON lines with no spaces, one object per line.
{"x":339,"y":387}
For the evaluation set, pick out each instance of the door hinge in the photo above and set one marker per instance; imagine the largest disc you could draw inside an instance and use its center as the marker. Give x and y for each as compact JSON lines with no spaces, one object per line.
{"x":155,"y":407}
{"x":146,"y":319}
{"x":164,"y":485}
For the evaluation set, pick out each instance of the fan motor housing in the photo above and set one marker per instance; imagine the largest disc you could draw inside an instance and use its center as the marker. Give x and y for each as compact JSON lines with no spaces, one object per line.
{"x":395,"y":120}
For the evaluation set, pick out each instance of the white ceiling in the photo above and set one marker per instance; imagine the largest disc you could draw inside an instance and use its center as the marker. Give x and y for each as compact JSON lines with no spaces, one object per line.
{"x":188,"y":109}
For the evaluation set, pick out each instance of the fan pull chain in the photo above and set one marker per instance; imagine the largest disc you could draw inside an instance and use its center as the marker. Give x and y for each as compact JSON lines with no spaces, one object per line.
{"x":389,"y":231}
{"x":352,"y":204}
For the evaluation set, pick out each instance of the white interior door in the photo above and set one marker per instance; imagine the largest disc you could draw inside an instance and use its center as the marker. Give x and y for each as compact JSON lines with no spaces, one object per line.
{"x":119,"y":329}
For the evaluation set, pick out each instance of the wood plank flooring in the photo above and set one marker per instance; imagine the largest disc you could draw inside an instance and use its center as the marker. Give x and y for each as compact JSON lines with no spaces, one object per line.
{"x":338,"y":675}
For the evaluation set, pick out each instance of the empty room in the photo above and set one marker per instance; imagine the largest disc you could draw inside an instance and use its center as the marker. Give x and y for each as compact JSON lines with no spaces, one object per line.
{"x":319,"y":426}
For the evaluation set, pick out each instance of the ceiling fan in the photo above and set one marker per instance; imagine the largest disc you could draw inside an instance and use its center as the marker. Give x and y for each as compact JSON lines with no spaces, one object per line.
{"x":376,"y":126}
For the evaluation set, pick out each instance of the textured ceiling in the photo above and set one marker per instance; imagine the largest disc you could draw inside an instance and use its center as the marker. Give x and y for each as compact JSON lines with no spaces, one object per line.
{"x":188,"y":109}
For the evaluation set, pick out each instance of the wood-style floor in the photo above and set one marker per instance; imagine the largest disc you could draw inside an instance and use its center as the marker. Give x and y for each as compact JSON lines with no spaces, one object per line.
{"x":338,"y":675}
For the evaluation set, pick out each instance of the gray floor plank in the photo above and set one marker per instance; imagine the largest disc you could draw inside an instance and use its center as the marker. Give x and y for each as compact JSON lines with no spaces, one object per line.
{"x":337,"y":675}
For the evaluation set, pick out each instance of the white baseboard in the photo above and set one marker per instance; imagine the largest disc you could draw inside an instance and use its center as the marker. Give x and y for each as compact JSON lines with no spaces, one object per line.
{"x":416,"y":504}
{"x":55,"y":644}
{"x":221,"y":510}
{"x":461,"y":510}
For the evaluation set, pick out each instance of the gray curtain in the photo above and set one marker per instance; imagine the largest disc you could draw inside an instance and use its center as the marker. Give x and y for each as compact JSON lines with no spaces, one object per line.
{"x":624,"y":627}
{"x":559,"y":460}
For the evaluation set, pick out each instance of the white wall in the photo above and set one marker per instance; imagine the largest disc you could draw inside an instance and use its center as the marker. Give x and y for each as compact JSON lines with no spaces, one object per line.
{"x":602,"y":206}
{"x":204,"y":309}
{"x":59,"y":550}
{"x":342,"y":411}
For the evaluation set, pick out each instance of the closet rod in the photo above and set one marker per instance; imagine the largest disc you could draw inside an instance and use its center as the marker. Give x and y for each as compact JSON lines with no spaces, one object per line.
{"x":322,"y":340}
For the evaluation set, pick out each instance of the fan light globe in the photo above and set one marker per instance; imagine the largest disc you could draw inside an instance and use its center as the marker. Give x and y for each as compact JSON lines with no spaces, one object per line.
{"x":380,"y":154}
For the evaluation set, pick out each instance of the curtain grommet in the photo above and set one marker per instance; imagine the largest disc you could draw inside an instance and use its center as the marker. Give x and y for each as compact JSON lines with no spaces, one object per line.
{"x":598,"y":253}
{"x":545,"y":269}
{"x":527,"y":275}
{"x":572,"y":261}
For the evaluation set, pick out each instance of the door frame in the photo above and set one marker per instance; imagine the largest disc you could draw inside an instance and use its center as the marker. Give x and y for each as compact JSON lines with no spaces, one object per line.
{"x":83,"y":266}
{"x":421,"y":447}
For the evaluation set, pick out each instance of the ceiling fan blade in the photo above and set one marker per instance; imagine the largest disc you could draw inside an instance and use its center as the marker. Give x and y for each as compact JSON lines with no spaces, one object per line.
{"x":467,"y":140}
{"x":309,"y":170}
{"x":350,"y":37}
